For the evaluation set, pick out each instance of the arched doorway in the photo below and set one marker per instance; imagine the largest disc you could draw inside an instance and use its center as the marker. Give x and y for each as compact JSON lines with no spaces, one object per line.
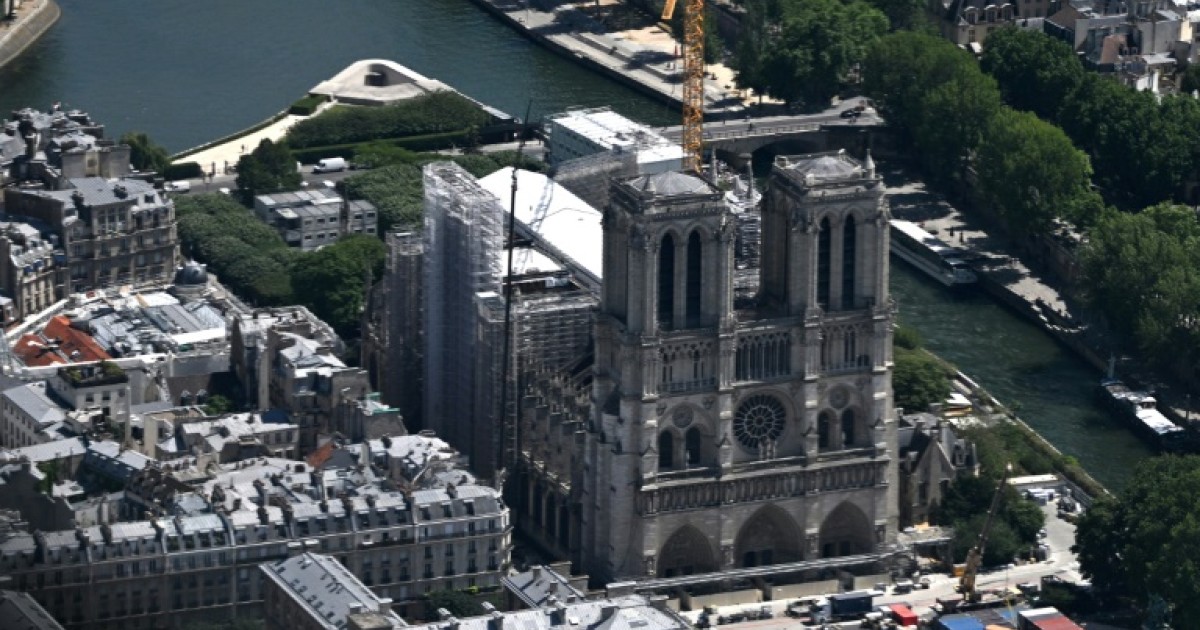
{"x":686,"y":552}
{"x":846,"y":532}
{"x":769,"y":537}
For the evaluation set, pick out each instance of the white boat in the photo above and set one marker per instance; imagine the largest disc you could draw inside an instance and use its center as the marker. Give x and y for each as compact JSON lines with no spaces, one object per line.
{"x":926,"y":252}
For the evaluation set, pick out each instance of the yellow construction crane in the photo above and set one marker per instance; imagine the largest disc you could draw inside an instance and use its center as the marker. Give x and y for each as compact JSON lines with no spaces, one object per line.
{"x":966,"y":584}
{"x":693,"y":81}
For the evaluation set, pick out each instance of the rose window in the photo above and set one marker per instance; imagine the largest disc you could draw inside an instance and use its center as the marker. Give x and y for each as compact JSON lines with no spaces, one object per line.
{"x":759,"y":419}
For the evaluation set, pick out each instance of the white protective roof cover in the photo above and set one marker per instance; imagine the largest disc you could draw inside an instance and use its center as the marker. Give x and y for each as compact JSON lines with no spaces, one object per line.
{"x":563,"y":221}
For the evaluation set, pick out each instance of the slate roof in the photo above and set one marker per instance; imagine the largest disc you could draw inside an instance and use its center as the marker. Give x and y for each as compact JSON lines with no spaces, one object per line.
{"x":324,"y":588}
{"x":633,"y":612}
{"x":19,"y":611}
{"x":32,"y":400}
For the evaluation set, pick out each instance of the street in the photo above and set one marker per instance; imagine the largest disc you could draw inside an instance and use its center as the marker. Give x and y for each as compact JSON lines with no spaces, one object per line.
{"x":1060,"y":535}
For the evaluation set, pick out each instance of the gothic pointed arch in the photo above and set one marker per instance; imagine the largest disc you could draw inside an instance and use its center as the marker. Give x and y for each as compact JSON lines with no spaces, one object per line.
{"x":666,"y":281}
{"x":849,"y":261}
{"x":695,"y":266}
{"x":846,"y":532}
{"x":824,"y":261}
{"x":768,"y":537}
{"x":693,"y":446}
{"x":666,"y":450}
{"x":686,"y":552}
{"x":825,"y":423}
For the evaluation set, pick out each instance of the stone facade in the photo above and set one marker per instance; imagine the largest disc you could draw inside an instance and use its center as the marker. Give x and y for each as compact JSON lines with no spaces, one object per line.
{"x":721,"y":438}
{"x":113,"y":232}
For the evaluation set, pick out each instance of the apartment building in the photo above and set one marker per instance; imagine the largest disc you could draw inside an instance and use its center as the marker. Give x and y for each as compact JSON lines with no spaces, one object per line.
{"x":113,"y":232}
{"x":202,"y":563}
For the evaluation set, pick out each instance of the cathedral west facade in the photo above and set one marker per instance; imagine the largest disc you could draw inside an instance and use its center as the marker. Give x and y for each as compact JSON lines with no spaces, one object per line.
{"x":717,"y":435}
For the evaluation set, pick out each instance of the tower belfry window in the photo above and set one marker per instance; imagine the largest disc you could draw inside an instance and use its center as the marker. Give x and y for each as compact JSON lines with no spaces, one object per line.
{"x":666,"y":281}
{"x":849,"y":261}
{"x":824,"y":256}
{"x":694,"y":278}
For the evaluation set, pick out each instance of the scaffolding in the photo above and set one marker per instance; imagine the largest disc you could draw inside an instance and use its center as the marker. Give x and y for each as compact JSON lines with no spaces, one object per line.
{"x":463,"y":239}
{"x":398,"y":364}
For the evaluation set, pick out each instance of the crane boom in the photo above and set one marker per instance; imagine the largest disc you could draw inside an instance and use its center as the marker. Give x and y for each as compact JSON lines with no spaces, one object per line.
{"x":693,"y":81}
{"x":966,"y":584}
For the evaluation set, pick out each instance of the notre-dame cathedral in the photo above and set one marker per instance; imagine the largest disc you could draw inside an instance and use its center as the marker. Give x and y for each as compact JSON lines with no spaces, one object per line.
{"x":725,"y":419}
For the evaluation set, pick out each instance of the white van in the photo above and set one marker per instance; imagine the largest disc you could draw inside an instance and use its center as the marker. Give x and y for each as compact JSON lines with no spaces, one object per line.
{"x":330,"y":165}
{"x":181,"y":186}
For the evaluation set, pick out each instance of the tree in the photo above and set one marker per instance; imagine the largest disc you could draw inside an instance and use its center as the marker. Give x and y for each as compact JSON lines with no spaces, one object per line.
{"x":457,"y":603}
{"x":901,"y":68}
{"x":217,"y":405}
{"x":1030,"y":170}
{"x":809,"y":54}
{"x":1191,"y":79}
{"x":397,"y":192}
{"x":1145,"y":544}
{"x":1142,"y":272}
{"x":918,"y":380}
{"x":903,"y":14}
{"x":331,"y":281}
{"x":269,"y":168}
{"x":952,"y":121}
{"x":144,"y":155}
{"x":965,"y":505}
{"x":1036,"y":72}
{"x":758,"y":25}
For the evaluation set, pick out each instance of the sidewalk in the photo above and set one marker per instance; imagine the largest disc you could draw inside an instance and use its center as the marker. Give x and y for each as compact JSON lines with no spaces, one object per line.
{"x":217,"y":157}
{"x":33,"y":19}
{"x":641,"y":53}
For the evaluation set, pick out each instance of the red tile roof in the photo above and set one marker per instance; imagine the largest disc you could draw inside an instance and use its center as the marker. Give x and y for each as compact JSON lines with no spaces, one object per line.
{"x":58,"y":343}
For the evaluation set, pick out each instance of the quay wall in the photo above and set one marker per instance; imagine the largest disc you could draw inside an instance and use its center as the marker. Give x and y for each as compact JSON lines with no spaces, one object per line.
{"x":493,"y":8}
{"x":27,"y":30}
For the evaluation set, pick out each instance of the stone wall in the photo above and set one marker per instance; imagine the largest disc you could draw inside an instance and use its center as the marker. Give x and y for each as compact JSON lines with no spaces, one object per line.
{"x":32,"y":22}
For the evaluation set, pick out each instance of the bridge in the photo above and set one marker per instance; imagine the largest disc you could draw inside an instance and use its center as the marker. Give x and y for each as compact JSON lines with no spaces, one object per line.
{"x":733,"y":137}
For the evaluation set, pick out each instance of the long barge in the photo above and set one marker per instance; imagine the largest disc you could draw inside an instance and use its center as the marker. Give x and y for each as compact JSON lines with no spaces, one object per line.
{"x":928,"y":254}
{"x":1140,"y":411}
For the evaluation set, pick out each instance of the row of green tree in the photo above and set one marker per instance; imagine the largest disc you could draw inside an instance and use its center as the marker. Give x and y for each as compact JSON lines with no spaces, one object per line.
{"x":935,"y":95}
{"x":395,"y":187}
{"x":252,"y":260}
{"x":1144,"y":148}
{"x":435,"y":112}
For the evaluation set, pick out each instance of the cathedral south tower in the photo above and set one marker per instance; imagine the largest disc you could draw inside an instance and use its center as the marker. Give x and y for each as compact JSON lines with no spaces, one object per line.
{"x":726,"y":437}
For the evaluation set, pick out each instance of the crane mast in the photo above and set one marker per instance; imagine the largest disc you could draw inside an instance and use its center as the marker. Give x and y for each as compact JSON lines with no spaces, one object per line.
{"x":693,"y":81}
{"x":966,"y":584}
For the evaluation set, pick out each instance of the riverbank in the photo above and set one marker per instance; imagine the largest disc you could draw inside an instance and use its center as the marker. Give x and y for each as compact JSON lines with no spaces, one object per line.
{"x":1035,"y":296}
{"x":992,"y":411}
{"x":29,"y":26}
{"x":644,"y":58}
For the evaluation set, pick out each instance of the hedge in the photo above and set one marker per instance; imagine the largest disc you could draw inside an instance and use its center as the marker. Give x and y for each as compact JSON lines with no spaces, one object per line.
{"x":429,"y":142}
{"x":183,"y":170}
{"x":307,"y":105}
{"x":433,"y":113}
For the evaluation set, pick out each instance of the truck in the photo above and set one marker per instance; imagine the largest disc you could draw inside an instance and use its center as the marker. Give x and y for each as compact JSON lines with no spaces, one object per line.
{"x":841,"y":606}
{"x":330,"y":165}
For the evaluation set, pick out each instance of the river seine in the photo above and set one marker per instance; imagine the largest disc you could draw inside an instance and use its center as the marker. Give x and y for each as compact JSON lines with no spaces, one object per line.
{"x":187,"y":72}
